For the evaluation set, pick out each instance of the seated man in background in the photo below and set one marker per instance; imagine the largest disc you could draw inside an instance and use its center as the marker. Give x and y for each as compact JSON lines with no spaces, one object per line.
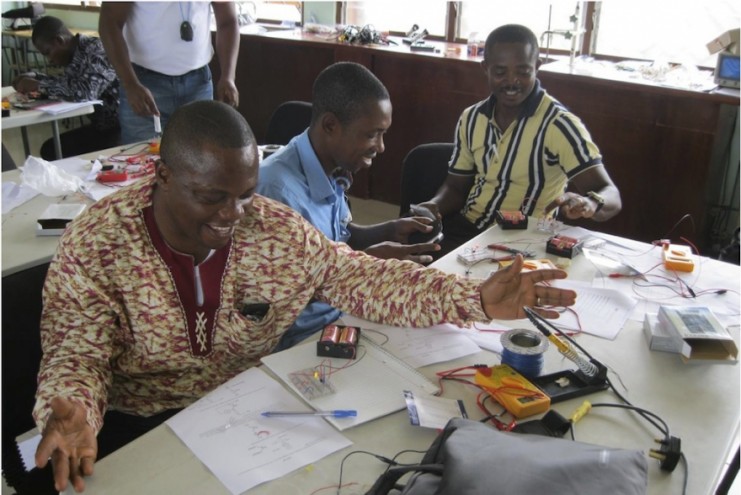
{"x":351,"y":111}
{"x":87,"y":76}
{"x":519,"y":150}
{"x":167,"y":288}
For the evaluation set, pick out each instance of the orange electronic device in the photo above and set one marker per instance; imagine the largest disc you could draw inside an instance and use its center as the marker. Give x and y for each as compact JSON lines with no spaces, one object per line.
{"x":512,"y":390}
{"x":678,"y":258}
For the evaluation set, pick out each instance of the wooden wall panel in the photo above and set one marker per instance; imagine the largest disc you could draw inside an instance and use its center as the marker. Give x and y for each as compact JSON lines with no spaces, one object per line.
{"x":657,"y":143}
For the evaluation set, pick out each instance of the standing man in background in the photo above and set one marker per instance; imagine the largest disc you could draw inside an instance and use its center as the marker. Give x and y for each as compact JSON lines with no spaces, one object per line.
{"x":161,"y":52}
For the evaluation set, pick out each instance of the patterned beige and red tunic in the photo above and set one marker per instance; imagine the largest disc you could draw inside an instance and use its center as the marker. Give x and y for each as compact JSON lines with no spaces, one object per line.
{"x":114,"y":331}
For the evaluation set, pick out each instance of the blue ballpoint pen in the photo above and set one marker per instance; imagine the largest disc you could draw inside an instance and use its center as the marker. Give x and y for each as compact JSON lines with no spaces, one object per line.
{"x":337,"y":413}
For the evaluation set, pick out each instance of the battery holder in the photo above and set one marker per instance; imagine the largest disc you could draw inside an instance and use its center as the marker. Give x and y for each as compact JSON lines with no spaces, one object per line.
{"x":511,"y":220}
{"x":563,"y":246}
{"x":338,"y":341}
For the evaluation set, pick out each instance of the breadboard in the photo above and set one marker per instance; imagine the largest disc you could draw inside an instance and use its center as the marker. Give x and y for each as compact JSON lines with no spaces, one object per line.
{"x":373,"y":384}
{"x":311,"y":387}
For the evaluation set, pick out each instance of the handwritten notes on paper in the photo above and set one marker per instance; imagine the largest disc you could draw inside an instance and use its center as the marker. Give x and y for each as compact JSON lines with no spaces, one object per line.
{"x":226,"y":432}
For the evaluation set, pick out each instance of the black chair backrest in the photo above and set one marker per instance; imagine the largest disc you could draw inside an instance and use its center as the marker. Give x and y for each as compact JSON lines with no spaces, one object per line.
{"x":8,"y":162}
{"x":289,"y":120}
{"x":423,"y":172}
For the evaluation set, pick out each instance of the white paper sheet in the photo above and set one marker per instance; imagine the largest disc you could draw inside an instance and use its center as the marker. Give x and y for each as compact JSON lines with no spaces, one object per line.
{"x":60,"y":107}
{"x":602,"y":312}
{"x":15,"y":195}
{"x":226,"y":431}
{"x":420,"y":346}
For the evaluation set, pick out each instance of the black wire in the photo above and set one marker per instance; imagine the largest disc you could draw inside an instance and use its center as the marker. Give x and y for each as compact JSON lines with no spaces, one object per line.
{"x":686,"y":472}
{"x":555,"y":329}
{"x":686,"y":215}
{"x":342,"y":463}
{"x":646,"y":415}
{"x":664,"y":430}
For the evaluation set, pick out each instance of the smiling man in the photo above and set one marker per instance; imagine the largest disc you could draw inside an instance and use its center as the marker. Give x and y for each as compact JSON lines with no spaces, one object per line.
{"x":169,"y":287}
{"x":519,"y":150}
{"x":351,"y":113}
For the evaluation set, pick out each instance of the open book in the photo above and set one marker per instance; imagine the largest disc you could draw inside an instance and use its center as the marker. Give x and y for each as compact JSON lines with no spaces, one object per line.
{"x":373,"y":384}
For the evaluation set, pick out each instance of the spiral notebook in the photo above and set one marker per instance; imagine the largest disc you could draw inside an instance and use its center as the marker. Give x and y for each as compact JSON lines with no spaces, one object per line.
{"x":373,"y":384}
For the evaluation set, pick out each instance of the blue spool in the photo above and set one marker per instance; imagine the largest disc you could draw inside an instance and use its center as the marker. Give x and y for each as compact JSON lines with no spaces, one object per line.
{"x":523,"y":351}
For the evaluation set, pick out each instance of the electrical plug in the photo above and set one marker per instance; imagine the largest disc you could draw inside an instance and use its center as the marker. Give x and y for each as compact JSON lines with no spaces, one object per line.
{"x":668,"y":454}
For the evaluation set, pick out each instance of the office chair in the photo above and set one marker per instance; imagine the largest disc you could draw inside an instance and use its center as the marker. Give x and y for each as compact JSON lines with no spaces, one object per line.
{"x":423,"y":172}
{"x":290,"y":119}
{"x":8,"y":162}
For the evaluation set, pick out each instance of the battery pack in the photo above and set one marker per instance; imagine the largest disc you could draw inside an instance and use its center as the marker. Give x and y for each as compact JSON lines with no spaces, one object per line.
{"x":512,"y":390}
{"x":338,"y":341}
{"x":511,"y":220}
{"x":564,"y":246}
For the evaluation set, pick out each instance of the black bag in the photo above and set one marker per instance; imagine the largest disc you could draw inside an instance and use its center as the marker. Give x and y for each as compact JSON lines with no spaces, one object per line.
{"x":471,"y":458}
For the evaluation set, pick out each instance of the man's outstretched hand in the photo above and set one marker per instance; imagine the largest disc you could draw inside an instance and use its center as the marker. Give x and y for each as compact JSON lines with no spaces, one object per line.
{"x":506,"y":292}
{"x":70,"y":442}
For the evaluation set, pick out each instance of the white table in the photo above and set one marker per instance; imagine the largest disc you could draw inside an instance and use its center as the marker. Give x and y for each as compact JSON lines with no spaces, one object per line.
{"x":24,"y":118}
{"x":699,"y":402}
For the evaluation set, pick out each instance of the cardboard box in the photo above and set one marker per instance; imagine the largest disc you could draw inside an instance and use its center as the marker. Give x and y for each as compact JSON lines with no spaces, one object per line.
{"x":727,"y":41}
{"x":703,"y":338}
{"x":658,"y":337}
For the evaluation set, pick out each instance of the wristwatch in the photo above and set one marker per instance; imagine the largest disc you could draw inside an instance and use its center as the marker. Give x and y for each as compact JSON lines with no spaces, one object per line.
{"x":599,"y":199}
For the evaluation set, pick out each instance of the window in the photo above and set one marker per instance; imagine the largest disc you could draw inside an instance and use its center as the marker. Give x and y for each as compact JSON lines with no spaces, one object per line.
{"x":398,"y":16}
{"x":664,"y":31}
{"x":549,"y":21}
{"x":265,"y":11}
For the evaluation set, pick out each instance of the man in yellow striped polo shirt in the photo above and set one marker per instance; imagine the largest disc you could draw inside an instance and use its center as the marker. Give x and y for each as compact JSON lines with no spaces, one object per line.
{"x":519,"y":149}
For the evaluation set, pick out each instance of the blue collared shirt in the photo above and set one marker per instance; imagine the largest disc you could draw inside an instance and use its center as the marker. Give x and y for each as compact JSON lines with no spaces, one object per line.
{"x":294,"y":176}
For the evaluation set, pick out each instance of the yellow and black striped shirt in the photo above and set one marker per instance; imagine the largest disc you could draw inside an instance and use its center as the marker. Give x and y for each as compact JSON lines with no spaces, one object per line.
{"x":524,"y":167}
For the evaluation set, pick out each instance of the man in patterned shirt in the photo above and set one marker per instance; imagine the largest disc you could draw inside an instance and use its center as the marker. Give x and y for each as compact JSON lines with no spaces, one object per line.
{"x":87,"y":76}
{"x":519,"y":150}
{"x":164,"y":290}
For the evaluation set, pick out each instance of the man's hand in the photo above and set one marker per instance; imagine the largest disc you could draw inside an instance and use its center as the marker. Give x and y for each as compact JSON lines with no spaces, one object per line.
{"x":70,"y":442}
{"x":432,"y":208}
{"x":506,"y":292}
{"x":227,"y":92}
{"x":573,"y":206}
{"x":141,"y":100}
{"x":388,"y":250}
{"x":25,"y":84}
{"x":403,"y":227}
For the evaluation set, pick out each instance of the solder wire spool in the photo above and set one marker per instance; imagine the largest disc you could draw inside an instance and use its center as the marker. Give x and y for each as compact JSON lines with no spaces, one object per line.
{"x":523,"y":351}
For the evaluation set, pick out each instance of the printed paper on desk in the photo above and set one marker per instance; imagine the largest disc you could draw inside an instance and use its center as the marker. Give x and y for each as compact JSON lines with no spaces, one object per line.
{"x":373,"y":383}
{"x":59,"y":107}
{"x":423,"y":346}
{"x":15,"y":195}
{"x":226,"y":431}
{"x":602,"y":312}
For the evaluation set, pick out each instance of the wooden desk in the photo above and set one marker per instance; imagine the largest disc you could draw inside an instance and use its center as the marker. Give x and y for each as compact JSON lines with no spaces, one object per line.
{"x":700,"y":404}
{"x":24,"y":118}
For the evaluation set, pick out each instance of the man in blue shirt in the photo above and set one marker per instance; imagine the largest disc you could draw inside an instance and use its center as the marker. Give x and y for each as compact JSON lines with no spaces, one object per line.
{"x":351,"y":113}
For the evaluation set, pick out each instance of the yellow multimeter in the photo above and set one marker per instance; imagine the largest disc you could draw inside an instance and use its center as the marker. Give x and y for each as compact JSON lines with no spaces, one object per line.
{"x":512,"y":390}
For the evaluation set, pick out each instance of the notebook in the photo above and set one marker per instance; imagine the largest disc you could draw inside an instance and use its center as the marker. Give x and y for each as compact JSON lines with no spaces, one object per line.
{"x":373,"y":384}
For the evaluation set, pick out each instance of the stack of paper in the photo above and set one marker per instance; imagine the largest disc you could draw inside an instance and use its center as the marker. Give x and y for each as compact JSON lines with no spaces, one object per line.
{"x":58,"y":107}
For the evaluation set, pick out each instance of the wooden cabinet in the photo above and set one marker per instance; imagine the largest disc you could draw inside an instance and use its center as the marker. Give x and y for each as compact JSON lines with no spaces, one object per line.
{"x":657,"y":142}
